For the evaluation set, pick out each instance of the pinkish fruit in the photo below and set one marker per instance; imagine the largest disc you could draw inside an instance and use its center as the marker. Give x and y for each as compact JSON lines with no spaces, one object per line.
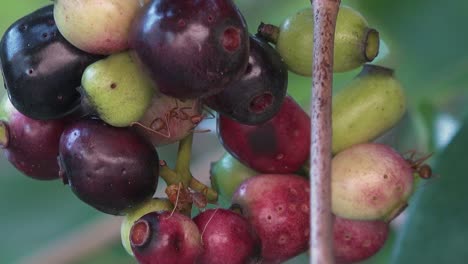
{"x":228,"y":238}
{"x":165,"y":237}
{"x":277,"y":206}
{"x":369,"y":182}
{"x":355,"y":241}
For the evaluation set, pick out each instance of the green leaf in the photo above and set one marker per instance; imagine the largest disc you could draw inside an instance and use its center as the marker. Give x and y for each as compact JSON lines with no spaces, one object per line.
{"x":436,"y":230}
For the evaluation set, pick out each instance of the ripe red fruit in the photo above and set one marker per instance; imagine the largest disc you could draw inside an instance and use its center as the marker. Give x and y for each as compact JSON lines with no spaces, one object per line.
{"x":109,"y":168}
{"x":191,"y":48}
{"x":31,"y":145}
{"x":165,"y":237}
{"x":355,"y":240}
{"x":281,"y":145}
{"x":277,"y":206}
{"x":228,"y":238}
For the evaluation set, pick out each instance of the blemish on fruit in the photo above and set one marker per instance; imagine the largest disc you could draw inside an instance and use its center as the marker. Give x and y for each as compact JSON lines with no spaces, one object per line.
{"x":181,"y":23}
{"x":283,"y":239}
{"x":231,"y":39}
{"x":260,"y":102}
{"x":140,"y":233}
{"x":113,"y":85}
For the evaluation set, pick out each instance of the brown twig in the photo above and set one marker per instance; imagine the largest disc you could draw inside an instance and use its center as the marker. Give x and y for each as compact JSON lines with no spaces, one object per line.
{"x":321,"y":221}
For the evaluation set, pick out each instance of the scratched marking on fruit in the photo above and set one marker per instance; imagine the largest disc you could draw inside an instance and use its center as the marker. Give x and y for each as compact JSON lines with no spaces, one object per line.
{"x":168,"y":119}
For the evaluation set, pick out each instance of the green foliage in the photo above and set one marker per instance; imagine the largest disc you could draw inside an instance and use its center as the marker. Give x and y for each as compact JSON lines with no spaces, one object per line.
{"x":436,"y":229}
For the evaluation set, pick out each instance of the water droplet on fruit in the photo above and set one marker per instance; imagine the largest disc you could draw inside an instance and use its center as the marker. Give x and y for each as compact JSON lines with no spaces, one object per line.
{"x":231,"y":39}
{"x":305,"y":208}
{"x":279,"y":156}
{"x":45,"y":35}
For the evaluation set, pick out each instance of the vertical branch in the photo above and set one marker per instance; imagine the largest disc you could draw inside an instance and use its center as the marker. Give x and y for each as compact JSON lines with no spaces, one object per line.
{"x":321,"y":221}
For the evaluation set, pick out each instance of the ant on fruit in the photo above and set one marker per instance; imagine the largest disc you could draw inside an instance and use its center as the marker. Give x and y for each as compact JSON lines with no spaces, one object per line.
{"x":418,"y":166}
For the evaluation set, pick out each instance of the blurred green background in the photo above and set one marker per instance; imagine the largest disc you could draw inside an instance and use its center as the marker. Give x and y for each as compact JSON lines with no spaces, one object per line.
{"x":425,"y":42}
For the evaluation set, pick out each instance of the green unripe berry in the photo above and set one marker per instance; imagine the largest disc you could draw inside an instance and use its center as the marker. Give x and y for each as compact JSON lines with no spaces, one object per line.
{"x":152,"y":205}
{"x":117,"y":89}
{"x":355,"y":42}
{"x":227,"y":174}
{"x":365,"y":109}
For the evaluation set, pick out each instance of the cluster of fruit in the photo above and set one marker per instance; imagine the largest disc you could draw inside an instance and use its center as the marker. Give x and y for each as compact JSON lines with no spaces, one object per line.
{"x":92,"y":94}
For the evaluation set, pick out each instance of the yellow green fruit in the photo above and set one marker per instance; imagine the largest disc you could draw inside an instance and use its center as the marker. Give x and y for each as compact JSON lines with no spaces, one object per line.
{"x":355,"y":42}
{"x":117,"y":89}
{"x":370,"y":181}
{"x":365,"y":109}
{"x":152,"y":205}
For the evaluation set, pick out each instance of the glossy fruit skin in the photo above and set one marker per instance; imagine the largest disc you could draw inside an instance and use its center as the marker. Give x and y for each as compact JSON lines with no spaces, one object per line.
{"x":370,"y":181}
{"x":277,"y":206}
{"x":257,"y":96}
{"x":95,"y":26}
{"x":41,"y":70}
{"x":228,"y":238}
{"x":295,"y":41}
{"x":146,"y":207}
{"x":117,"y":89}
{"x":173,"y":238}
{"x":109,"y":168}
{"x":168,"y":120}
{"x":367,"y":107}
{"x":355,"y":241}
{"x":280,"y":145}
{"x":33,"y":144}
{"x":191,"y":48}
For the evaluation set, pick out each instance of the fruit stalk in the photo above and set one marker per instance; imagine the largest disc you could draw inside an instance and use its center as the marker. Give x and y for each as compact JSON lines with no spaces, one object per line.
{"x":325,"y":14}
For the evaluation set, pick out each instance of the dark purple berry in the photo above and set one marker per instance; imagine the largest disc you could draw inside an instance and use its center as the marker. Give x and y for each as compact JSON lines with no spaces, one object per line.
{"x":41,"y":69}
{"x":258,"y":95}
{"x":165,"y":237}
{"x":30,"y":145}
{"x":280,"y":145}
{"x":112,"y":169}
{"x":228,"y":238}
{"x":191,"y":48}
